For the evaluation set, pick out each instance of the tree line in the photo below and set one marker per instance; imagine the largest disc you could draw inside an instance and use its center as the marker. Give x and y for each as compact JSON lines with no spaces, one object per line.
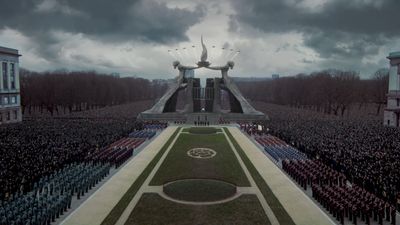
{"x":65,"y":91}
{"x":328,"y":91}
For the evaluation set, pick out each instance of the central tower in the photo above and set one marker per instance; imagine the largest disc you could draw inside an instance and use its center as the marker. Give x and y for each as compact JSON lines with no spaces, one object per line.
{"x":202,"y":104}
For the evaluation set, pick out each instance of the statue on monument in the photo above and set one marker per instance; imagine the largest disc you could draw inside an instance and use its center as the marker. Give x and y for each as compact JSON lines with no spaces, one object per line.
{"x":203,"y":62}
{"x":166,"y":107}
{"x":203,"y":58}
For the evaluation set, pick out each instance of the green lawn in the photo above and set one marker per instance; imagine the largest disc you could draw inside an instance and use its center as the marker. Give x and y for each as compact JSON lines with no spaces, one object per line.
{"x":154,"y":210}
{"x":199,"y":190}
{"x":178,"y":165}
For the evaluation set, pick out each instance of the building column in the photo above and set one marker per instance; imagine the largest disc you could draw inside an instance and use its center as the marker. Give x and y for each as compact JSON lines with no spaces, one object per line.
{"x":391,"y":111}
{"x":1,"y":76}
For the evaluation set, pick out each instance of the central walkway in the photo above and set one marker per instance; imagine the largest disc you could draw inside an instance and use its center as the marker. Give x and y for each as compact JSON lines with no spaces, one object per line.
{"x":300,"y":208}
{"x":146,"y":188}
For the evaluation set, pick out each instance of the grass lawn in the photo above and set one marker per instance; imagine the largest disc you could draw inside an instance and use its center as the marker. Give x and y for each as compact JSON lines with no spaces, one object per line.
{"x":154,"y":210}
{"x":202,"y":130}
{"x":178,"y":165}
{"x":199,"y":190}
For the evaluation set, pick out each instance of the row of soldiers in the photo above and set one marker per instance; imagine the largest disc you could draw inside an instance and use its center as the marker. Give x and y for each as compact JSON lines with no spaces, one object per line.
{"x":36,"y":148}
{"x":353,"y":203}
{"x":308,"y":172}
{"x":51,"y":195}
{"x":330,"y":189}
{"x":364,"y":150}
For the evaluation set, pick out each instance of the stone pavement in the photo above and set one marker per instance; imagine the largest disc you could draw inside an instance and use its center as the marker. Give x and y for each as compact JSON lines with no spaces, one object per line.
{"x":98,"y":206}
{"x":128,"y":210}
{"x":299,"y":206}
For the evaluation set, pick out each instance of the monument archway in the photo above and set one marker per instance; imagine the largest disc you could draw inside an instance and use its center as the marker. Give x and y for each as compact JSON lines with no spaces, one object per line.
{"x":202,"y":102}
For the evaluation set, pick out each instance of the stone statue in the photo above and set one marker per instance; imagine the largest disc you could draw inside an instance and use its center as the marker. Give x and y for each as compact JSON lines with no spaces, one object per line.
{"x":229,"y":65}
{"x":203,"y":57}
{"x":203,"y":62}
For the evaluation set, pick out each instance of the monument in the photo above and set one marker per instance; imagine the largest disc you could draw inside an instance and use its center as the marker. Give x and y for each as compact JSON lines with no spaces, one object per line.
{"x":392,"y":111}
{"x":203,"y":104}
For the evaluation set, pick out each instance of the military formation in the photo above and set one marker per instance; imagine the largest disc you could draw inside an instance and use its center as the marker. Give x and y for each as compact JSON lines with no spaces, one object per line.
{"x":52,"y":195}
{"x":341,"y":198}
{"x":358,"y":146}
{"x":37,"y":148}
{"x":46,"y":163}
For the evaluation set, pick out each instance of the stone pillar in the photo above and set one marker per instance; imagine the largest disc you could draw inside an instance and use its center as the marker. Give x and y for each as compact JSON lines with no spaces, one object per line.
{"x":189,"y":96}
{"x":217,"y":96}
{"x":392,"y":110}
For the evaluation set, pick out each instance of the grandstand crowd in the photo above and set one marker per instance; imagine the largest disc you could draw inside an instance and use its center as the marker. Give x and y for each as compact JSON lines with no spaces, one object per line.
{"x":44,"y":162}
{"x":361,"y":148}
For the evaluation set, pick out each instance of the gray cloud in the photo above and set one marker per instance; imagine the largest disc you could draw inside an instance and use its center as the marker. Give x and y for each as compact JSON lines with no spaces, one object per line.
{"x":117,"y":20}
{"x":132,"y":36}
{"x":121,"y":20}
{"x":339,"y":30}
{"x":360,"y":16}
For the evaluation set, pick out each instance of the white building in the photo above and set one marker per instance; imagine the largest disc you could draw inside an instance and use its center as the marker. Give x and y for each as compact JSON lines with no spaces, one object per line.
{"x":392,"y":111}
{"x":10,"y":98}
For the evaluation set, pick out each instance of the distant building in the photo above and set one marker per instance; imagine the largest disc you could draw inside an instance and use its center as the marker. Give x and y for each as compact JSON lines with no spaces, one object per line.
{"x":10,"y":98}
{"x":392,"y":110}
{"x":275,"y":76}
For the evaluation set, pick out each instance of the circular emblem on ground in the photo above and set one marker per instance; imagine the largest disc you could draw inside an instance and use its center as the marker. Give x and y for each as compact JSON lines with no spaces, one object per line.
{"x":201,"y":153}
{"x":199,"y":190}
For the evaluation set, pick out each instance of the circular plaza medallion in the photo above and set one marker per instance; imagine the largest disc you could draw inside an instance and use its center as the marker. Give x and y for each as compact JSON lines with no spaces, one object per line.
{"x":201,"y":153}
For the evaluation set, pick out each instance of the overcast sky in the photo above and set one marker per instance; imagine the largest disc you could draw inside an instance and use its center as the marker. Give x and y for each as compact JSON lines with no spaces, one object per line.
{"x":132,"y":37}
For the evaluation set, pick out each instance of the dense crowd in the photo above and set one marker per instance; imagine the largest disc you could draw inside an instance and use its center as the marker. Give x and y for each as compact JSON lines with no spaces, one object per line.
{"x":367,"y":152}
{"x":36,"y":148}
{"x":52,"y":194}
{"x":333,"y":192}
{"x":39,"y":146}
{"x":47,"y":162}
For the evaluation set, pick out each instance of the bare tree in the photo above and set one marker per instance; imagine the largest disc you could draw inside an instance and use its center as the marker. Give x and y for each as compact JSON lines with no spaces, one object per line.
{"x":84,"y":90}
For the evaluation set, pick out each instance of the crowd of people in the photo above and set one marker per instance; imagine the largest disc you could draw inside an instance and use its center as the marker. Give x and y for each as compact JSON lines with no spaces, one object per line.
{"x":367,"y":152}
{"x":51,"y":195}
{"x":44,"y":163}
{"x":343,"y":200}
{"x":39,"y":146}
{"x":278,"y":149}
{"x":36,"y":148}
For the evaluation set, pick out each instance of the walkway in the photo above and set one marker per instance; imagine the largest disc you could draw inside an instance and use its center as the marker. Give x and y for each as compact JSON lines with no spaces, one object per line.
{"x":299,"y":206}
{"x":97,"y":207}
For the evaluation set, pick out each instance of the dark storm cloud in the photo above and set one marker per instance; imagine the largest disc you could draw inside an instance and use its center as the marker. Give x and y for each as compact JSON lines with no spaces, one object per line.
{"x":339,"y":28}
{"x":120,"y":20}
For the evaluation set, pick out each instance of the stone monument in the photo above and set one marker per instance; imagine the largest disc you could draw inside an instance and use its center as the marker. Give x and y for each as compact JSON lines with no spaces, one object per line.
{"x":203,"y":104}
